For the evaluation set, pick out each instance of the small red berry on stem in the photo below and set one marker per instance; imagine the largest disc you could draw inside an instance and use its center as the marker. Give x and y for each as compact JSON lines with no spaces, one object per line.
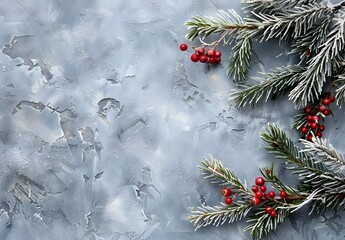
{"x":203,"y":58}
{"x":308,"y":53}
{"x":327,"y":112}
{"x":268,"y":172}
{"x":310,"y":137}
{"x":217,"y":60}
{"x":307,"y":110}
{"x":212,"y":60}
{"x":259,"y":181}
{"x":315,"y":118}
{"x":310,"y":118}
{"x":217,"y":54}
{"x":273,"y":213}
{"x":255,"y":189}
{"x":226,"y":192}
{"x":326,"y":101}
{"x":318,"y":134}
{"x":313,"y":125}
{"x":268,"y":209}
{"x":210,"y":53}
{"x":322,"y":127}
{"x":321,"y":108}
{"x":331,"y":98}
{"x":194,"y":57}
{"x":271,"y":194}
{"x":201,"y":50}
{"x":304,"y":130}
{"x":255,"y":201}
{"x":259,"y":194}
{"x":283,"y":194}
{"x":183,"y":47}
{"x":263,"y":189}
{"x":228,"y":200}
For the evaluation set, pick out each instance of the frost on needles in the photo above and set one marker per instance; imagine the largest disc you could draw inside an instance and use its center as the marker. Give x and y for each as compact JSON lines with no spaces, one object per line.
{"x":313,"y":29}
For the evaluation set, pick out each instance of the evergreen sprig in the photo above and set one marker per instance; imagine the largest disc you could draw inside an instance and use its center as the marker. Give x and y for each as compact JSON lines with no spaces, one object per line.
{"x":314,"y":28}
{"x":322,"y":185}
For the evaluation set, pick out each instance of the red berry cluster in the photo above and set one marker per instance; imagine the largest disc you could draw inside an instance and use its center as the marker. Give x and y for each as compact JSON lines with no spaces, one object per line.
{"x":226,"y":192}
{"x":315,"y":114}
{"x":259,"y":192}
{"x":210,"y":56}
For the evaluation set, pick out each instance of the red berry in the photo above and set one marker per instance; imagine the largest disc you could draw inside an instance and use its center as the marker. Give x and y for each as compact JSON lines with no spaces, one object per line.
{"x":304,"y":130}
{"x":210,"y":53}
{"x":322,"y":127}
{"x":271,"y":194}
{"x":217,"y":54}
{"x":255,"y":201}
{"x":326,"y":101}
{"x":331,"y":98}
{"x":217,"y":60}
{"x":255,"y":189}
{"x":318,"y":134}
{"x":313,"y":125}
{"x":201,"y":50}
{"x":315,"y":118}
{"x":283,"y":194}
{"x":308,"y":52}
{"x":226,"y":192}
{"x":327,"y":112}
{"x":263,"y":189}
{"x":194,"y":57}
{"x":228,"y":200}
{"x":259,"y":194}
{"x":203,"y":58}
{"x":268,"y":172}
{"x":307,"y":110}
{"x":310,"y":137}
{"x":268,"y":209}
{"x":321,"y":108}
{"x":273,"y":213}
{"x":259,"y":181}
{"x":212,"y":60}
{"x":183,"y":47}
{"x":310,"y":118}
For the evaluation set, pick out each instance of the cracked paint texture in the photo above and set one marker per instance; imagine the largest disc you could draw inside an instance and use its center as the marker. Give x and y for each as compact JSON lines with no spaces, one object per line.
{"x":103,"y":122}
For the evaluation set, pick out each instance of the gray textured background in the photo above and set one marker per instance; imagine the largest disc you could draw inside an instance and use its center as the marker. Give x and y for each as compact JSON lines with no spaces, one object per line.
{"x":103,"y":122}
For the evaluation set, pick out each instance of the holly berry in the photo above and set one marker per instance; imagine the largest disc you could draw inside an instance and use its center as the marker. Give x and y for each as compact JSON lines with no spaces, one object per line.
{"x":263,"y":189}
{"x":217,"y":60}
{"x":210,"y":53}
{"x":318,"y":134}
{"x":226,"y":192}
{"x":321,"y":108}
{"x":307,"y":110}
{"x":255,"y":201}
{"x":315,"y":118}
{"x":255,"y":188}
{"x":268,"y":172}
{"x":228,"y":200}
{"x":273,"y":213}
{"x":194,"y":57}
{"x":271,"y":194}
{"x":326,"y":101}
{"x":212,"y":60}
{"x":313,"y":125}
{"x":259,"y":181}
{"x":268,"y":209}
{"x":322,"y":127}
{"x":183,"y":47}
{"x":304,"y":130}
{"x":259,"y":194}
{"x":308,"y":53}
{"x":283,"y":194}
{"x":201,"y":50}
{"x":310,"y":137}
{"x":331,"y":98}
{"x":310,"y":118}
{"x":203,"y":58}
{"x":217,"y":54}
{"x":327,"y":112}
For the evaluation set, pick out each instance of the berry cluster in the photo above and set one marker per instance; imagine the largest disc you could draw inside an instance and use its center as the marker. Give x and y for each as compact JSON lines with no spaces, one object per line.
{"x":259,"y":190}
{"x":315,"y":114}
{"x":210,"y":56}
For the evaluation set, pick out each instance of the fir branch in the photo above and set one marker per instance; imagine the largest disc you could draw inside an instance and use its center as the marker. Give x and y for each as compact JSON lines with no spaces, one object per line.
{"x":215,"y":170}
{"x":324,"y":152}
{"x":240,"y":58}
{"x":320,"y":66}
{"x":263,"y":223}
{"x":218,"y":215}
{"x":226,"y":23}
{"x":277,"y":83}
